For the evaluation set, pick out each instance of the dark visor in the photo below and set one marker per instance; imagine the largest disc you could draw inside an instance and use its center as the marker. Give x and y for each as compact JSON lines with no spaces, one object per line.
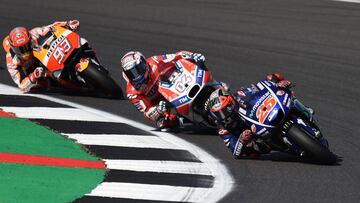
{"x":136,"y":72}
{"x":226,"y":112}
{"x":25,"y":49}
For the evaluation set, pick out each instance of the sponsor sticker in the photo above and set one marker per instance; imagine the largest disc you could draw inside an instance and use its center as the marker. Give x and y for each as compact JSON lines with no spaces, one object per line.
{"x":242,"y":111}
{"x":260,"y":86}
{"x":280,"y":92}
{"x":253,"y":128}
{"x":272,"y":114}
{"x":261,"y":131}
{"x":301,"y":122}
{"x":285,"y":99}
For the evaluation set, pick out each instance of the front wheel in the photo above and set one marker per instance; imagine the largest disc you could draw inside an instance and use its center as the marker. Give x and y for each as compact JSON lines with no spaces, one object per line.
{"x":312,"y":147}
{"x":100,"y":80}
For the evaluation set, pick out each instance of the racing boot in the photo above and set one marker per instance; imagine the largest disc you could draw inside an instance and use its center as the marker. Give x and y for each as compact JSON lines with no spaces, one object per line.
{"x":169,"y":122}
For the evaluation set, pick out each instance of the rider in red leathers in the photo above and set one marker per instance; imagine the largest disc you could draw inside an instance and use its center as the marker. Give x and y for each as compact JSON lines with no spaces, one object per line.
{"x":25,"y":69}
{"x":142,"y":76}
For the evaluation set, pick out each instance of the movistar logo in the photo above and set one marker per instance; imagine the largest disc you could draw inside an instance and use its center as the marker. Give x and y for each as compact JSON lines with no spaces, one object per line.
{"x":257,"y":104}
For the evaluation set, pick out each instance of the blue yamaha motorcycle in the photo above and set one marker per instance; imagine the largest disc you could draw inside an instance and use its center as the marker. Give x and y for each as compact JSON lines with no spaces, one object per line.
{"x":274,"y":116}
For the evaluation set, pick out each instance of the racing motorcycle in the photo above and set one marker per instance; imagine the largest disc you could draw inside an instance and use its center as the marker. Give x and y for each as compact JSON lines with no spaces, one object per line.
{"x":68,"y":57}
{"x":272,"y":116}
{"x":187,"y":86}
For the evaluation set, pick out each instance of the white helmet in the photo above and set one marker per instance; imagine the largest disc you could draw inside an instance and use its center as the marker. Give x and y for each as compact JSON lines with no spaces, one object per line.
{"x":135,"y":68}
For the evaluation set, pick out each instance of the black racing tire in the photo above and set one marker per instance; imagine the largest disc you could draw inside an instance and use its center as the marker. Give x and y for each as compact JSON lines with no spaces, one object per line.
{"x":313,"y":148}
{"x":100,"y":80}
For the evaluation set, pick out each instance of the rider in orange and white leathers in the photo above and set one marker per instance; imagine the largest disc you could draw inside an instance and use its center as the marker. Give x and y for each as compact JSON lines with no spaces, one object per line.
{"x":142,"y":76}
{"x":25,"y":69}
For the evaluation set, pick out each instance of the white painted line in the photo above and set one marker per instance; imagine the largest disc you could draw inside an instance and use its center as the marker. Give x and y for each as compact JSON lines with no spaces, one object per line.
{"x":351,"y":1}
{"x":11,"y":91}
{"x":159,"y":166}
{"x":136,"y":141}
{"x":223,"y":181}
{"x":53,"y":113}
{"x":149,"y":192}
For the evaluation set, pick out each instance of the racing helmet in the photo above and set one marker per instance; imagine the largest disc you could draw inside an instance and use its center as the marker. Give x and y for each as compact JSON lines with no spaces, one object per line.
{"x":135,"y":68}
{"x":20,"y":42}
{"x":223,"y":107}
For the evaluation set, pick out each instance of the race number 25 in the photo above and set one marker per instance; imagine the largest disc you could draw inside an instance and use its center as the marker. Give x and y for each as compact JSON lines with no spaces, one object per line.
{"x":61,"y":51}
{"x":265,"y":108}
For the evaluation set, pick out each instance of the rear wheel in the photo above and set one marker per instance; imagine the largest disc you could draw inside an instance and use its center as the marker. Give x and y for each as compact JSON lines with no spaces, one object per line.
{"x":312,"y":147}
{"x":101,"y":81}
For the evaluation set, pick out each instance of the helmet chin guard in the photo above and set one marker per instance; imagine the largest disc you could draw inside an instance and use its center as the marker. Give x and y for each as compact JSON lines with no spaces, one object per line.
{"x":223,"y":107}
{"x":135,"y":68}
{"x":20,"y":42}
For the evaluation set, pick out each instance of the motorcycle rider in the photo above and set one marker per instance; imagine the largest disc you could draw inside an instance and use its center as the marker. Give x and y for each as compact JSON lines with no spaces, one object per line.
{"x":223,"y":108}
{"x":142,"y":77}
{"x":25,"y":69}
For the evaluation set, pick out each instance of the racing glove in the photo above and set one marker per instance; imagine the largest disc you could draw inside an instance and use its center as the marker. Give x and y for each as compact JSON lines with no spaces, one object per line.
{"x":162,"y":107}
{"x":245,"y":139}
{"x":286,"y":84}
{"x":39,"y":72}
{"x":74,"y":25}
{"x":279,"y":80}
{"x":169,"y":121}
{"x":197,"y":58}
{"x":275,"y":77}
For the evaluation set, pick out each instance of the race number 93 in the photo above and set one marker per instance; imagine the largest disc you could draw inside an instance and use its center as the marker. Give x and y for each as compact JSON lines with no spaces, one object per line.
{"x":60,"y":52}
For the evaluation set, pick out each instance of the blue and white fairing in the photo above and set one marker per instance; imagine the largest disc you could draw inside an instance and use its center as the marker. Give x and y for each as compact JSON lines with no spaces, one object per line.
{"x":267,"y":108}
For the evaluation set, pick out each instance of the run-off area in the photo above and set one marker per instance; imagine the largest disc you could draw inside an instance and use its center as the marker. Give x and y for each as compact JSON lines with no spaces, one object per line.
{"x":141,"y":166}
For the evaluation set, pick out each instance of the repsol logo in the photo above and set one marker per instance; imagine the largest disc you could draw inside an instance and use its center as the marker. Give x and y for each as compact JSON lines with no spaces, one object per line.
{"x":54,"y":45}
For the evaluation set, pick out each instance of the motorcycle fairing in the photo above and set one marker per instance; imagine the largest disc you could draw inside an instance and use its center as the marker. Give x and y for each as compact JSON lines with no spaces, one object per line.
{"x":82,"y":65}
{"x":55,"y":50}
{"x":185,"y":83}
{"x":267,"y":109}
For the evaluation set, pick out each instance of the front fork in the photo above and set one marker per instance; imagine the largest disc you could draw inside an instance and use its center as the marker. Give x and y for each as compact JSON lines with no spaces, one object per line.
{"x":305,"y":122}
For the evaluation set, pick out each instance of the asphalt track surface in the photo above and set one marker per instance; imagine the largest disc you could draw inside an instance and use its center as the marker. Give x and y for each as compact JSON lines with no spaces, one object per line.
{"x":315,"y":43}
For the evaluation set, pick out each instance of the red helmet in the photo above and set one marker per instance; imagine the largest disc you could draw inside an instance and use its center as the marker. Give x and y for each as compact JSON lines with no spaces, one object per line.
{"x":20,"y":42}
{"x":135,"y":68}
{"x":223,"y":107}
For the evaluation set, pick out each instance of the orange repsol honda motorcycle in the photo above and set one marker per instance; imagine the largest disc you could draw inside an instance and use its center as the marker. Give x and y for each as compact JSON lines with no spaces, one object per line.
{"x":69,"y":57}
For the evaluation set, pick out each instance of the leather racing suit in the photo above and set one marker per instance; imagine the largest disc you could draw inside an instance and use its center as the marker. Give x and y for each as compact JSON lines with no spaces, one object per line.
{"x":238,"y":138}
{"x":20,"y":70}
{"x":147,"y":98}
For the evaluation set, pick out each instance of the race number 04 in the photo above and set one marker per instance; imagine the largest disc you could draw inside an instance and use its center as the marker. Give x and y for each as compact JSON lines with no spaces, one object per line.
{"x":181,"y":85}
{"x":61,"y":51}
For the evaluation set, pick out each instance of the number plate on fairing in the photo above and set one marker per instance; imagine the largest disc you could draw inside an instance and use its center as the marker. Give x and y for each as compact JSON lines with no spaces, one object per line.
{"x":266,"y":109}
{"x":59,"y":49}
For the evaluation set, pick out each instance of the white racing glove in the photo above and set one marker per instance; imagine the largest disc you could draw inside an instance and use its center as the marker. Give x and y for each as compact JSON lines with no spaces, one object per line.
{"x":74,"y":25}
{"x":39,"y":72}
{"x":161,"y":107}
{"x":198,"y":58}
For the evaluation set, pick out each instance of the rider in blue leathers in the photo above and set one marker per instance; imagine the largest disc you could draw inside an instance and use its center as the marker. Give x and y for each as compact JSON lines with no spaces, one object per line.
{"x":223,"y":108}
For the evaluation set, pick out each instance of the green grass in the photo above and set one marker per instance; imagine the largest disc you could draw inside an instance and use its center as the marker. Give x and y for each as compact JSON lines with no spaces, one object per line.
{"x":30,"y":183}
{"x":25,"y":183}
